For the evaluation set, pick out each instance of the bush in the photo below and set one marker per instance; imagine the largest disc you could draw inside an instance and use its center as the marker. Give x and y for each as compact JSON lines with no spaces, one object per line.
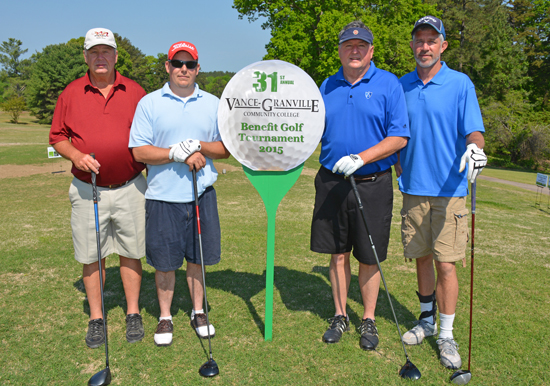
{"x":14,"y":107}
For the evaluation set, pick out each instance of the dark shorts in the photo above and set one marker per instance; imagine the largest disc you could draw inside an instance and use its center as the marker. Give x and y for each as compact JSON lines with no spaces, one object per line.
{"x":171,"y":232}
{"x":337,"y":225}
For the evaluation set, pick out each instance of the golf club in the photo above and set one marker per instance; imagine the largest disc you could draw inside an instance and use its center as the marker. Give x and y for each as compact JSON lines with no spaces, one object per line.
{"x":104,"y":376}
{"x":462,"y":377}
{"x":209,"y":368}
{"x":409,"y":370}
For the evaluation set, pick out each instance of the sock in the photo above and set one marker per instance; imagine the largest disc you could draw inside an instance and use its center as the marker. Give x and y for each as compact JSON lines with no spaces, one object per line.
{"x":446,"y":328}
{"x":165,"y":318}
{"x":201,"y":311}
{"x":347,"y":316}
{"x":427,"y":307}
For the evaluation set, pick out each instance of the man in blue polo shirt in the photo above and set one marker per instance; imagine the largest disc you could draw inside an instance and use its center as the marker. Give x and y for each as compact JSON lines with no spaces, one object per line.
{"x":174,"y":131}
{"x":366,"y":123}
{"x":446,"y":133}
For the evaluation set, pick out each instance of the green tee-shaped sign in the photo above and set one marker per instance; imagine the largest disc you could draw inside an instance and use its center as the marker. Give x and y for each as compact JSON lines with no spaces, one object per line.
{"x":271,"y":119}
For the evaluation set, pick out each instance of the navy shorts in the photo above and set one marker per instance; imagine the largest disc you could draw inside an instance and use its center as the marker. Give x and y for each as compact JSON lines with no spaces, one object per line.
{"x":337,"y":225}
{"x":171,"y":233}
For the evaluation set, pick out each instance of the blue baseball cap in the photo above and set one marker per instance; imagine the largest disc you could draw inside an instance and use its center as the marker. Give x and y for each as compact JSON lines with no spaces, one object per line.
{"x":356,"y":33}
{"x":433,"y":22}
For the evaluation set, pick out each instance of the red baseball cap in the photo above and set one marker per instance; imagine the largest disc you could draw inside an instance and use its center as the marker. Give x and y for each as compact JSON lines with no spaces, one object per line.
{"x":183,"y":46}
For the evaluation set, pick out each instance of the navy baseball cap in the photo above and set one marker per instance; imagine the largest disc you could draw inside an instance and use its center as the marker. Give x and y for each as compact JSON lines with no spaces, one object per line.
{"x":433,"y":22}
{"x":356,"y":33}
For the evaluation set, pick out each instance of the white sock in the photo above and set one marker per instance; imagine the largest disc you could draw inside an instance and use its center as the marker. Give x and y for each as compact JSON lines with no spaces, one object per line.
{"x":446,"y":328}
{"x":165,"y":318}
{"x":193,"y":312}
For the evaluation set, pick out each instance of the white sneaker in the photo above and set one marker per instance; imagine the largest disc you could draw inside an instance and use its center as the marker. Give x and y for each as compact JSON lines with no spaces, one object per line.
{"x":448,"y":350}
{"x":199,"y":324}
{"x":417,"y":334}
{"x":163,"y":334}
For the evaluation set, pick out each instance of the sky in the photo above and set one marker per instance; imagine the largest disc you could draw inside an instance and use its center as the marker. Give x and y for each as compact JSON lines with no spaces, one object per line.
{"x":224,"y":42}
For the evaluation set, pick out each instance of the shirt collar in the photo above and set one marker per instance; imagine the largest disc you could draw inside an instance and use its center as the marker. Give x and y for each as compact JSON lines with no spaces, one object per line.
{"x":116,"y":84}
{"x":368,"y":75}
{"x":439,"y":78}
{"x":167,"y":91}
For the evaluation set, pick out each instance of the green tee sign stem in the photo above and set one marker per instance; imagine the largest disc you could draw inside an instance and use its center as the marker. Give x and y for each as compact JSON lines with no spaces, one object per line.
{"x":272,"y":187}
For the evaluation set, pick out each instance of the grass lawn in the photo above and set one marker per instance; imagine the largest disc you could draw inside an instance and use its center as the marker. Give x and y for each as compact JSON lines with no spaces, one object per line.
{"x":44,"y":312}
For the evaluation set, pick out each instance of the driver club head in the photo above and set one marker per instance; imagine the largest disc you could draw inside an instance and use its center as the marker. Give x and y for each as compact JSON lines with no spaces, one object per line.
{"x":209,"y":369}
{"x":409,"y":371}
{"x":461,"y":377}
{"x":102,"y":378}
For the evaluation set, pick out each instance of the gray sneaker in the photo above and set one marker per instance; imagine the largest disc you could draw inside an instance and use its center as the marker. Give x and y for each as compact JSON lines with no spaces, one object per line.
{"x":417,"y":334}
{"x":450,"y":358}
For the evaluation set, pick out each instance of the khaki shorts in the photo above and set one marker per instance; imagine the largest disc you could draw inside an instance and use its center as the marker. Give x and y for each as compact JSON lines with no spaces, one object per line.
{"x":121,"y":214}
{"x":434,"y":225}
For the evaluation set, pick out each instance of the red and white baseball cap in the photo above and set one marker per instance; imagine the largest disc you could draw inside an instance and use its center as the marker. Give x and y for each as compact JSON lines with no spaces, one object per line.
{"x":183,"y":46}
{"x":97,"y":36}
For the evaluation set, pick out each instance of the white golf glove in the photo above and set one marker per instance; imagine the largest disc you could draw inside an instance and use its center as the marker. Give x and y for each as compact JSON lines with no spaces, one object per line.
{"x":348,"y":164}
{"x":476,"y":159}
{"x":179,"y":152}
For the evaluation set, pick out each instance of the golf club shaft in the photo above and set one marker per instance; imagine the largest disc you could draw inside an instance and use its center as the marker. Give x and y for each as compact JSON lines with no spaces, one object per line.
{"x":354,"y":186}
{"x":473,"y":197}
{"x":202,"y":259}
{"x":94,"y":191}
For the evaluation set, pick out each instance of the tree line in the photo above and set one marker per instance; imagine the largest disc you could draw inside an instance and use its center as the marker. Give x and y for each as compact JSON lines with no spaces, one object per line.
{"x":502,"y":45}
{"x":36,"y":83}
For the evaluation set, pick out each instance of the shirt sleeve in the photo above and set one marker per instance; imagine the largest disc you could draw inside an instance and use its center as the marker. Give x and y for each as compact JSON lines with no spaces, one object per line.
{"x":141,"y":132}
{"x":397,"y":115}
{"x":469,"y":115}
{"x":58,"y":130}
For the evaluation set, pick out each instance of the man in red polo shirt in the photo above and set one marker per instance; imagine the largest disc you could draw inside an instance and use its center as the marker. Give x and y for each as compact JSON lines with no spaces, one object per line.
{"x":93,"y":115}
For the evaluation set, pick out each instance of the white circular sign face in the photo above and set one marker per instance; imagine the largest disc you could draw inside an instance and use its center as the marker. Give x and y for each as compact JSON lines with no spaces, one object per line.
{"x":271,"y":116}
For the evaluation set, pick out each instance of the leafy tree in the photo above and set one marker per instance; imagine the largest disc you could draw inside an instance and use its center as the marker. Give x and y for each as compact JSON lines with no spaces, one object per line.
{"x":156,"y":75}
{"x":305,"y":32}
{"x":14,"y":107}
{"x":10,"y":54}
{"x":56,"y":66}
{"x":481,"y":44}
{"x":138,"y":70}
{"x":214,"y":82}
{"x":531,"y":20}
{"x":515,"y":130}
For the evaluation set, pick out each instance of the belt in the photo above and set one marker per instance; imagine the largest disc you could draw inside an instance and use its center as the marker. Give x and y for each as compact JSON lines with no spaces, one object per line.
{"x":370,"y":177}
{"x":115,"y":186}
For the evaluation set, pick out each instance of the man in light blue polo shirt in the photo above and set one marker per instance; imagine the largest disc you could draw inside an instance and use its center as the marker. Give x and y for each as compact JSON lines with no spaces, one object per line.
{"x":366,"y":123}
{"x":446,"y":132}
{"x":174,"y":131}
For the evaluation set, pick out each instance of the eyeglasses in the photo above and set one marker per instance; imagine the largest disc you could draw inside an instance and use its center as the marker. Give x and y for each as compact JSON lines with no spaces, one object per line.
{"x":190,"y":64}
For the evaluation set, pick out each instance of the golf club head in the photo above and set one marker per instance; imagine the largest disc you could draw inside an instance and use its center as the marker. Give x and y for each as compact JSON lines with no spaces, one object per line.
{"x":209,"y":369}
{"x":409,"y":371}
{"x":102,"y":378}
{"x":461,"y":377}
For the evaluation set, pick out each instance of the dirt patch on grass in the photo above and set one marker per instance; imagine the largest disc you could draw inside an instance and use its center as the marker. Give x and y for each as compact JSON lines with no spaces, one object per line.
{"x":11,"y":171}
{"x":64,"y":167}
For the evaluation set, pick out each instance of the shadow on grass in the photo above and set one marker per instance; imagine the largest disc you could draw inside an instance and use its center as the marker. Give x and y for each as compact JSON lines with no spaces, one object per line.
{"x":299,"y":291}
{"x":148,"y":301}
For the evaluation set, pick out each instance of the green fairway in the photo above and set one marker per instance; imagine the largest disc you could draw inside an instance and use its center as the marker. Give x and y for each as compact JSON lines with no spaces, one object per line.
{"x":44,"y":312}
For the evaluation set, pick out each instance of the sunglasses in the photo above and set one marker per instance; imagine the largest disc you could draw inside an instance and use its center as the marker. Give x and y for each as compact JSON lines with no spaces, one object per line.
{"x":190,"y":64}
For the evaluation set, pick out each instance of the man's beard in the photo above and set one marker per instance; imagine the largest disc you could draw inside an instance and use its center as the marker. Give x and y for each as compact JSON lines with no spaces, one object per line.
{"x":427,"y":64}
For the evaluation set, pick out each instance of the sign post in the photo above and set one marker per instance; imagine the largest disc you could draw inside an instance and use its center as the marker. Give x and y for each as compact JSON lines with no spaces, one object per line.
{"x":271,"y":118}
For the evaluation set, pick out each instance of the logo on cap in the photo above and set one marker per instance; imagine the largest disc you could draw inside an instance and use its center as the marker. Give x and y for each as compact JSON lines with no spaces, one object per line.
{"x":101,"y":35}
{"x":355,"y":32}
{"x":182,"y":45}
{"x":426,"y":19}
